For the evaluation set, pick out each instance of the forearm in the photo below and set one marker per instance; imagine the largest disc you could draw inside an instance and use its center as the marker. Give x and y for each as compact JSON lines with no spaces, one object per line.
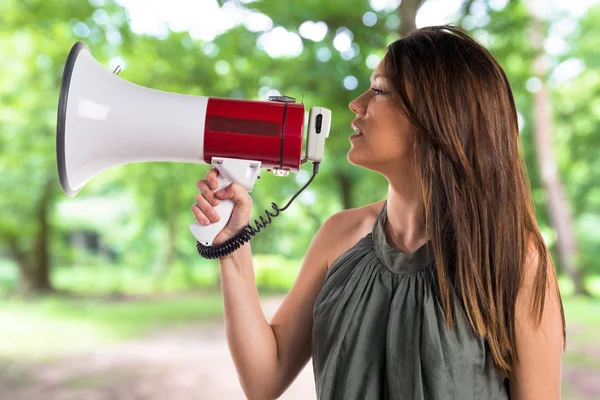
{"x":250,"y":338}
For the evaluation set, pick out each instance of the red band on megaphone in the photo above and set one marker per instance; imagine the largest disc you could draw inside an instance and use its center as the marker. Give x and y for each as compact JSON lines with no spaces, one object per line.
{"x":266,"y":131}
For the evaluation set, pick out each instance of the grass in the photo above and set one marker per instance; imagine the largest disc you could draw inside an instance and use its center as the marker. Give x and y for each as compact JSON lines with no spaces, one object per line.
{"x":582,"y":311}
{"x":55,"y":326}
{"x":583,"y":321}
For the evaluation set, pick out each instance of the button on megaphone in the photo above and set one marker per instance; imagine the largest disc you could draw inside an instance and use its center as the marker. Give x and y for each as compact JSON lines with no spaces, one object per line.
{"x":105,"y":121}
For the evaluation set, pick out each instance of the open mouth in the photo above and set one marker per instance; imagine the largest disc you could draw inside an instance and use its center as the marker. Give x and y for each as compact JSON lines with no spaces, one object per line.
{"x":357,"y":131}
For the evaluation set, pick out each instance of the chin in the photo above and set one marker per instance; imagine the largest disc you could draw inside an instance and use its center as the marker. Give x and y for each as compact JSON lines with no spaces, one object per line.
{"x":355,"y":158}
{"x":381,"y":166}
{"x":352,"y":158}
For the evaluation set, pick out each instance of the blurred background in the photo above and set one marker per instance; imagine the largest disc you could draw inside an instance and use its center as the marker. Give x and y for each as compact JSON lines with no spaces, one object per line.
{"x":103,"y":296}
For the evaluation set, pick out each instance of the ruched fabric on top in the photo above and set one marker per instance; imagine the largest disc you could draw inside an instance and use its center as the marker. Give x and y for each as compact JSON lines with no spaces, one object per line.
{"x":379,"y":331}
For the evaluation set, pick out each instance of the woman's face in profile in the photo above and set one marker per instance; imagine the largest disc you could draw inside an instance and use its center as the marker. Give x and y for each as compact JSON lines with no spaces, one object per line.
{"x":382,"y":133}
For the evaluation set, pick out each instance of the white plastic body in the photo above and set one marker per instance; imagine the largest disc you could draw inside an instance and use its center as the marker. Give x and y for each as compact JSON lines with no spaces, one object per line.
{"x":111,"y":122}
{"x":315,"y":142}
{"x":244,"y":172}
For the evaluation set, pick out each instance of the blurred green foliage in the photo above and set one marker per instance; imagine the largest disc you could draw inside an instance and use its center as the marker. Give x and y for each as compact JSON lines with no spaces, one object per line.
{"x":132,"y":220}
{"x":273,"y":273}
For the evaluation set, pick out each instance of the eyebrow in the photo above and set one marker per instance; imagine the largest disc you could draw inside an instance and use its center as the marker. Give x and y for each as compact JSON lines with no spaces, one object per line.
{"x":375,"y":76}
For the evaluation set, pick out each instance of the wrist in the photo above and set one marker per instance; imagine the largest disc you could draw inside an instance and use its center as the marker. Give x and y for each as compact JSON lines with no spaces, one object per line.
{"x":231,"y":245}
{"x":236,"y":256}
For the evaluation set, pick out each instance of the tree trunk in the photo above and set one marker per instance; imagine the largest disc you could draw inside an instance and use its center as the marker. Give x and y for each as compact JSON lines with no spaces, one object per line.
{"x":164,"y":265}
{"x":558,"y":204}
{"x":173,"y":253}
{"x":34,"y":265}
{"x":408,"y":14}
{"x":171,"y":239}
{"x":345,"y":190}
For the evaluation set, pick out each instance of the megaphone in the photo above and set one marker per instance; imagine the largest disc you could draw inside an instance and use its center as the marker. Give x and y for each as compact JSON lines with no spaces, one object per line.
{"x":105,"y":121}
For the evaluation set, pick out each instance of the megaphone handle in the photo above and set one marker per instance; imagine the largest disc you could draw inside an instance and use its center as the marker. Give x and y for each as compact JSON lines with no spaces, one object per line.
{"x":206,"y":234}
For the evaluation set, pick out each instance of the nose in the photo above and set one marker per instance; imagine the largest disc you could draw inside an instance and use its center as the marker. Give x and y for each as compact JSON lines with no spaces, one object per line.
{"x":357,"y":106}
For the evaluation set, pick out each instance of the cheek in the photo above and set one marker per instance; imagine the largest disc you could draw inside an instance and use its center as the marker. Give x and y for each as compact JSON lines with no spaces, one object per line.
{"x":392,"y":136}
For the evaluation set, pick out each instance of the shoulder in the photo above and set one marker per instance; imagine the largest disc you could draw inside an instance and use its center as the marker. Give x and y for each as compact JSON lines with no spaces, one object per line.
{"x":538,"y":296}
{"x":342,"y":230}
{"x":353,"y":217}
{"x":539,"y":326}
{"x":538,"y":276}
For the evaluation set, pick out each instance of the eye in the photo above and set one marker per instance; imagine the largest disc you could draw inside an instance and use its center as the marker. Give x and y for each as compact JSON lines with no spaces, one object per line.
{"x":377,"y":91}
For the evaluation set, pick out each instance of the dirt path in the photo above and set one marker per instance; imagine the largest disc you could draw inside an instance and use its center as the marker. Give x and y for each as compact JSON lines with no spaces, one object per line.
{"x":191,"y":363}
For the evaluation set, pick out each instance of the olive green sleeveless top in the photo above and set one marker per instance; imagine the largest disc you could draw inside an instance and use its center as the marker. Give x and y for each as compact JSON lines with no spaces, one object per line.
{"x":379,"y":331}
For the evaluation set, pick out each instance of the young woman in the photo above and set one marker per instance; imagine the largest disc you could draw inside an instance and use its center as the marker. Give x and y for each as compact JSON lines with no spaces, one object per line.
{"x":445,"y":289}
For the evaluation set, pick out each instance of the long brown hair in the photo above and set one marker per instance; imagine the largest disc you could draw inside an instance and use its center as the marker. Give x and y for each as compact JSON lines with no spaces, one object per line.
{"x":477,"y":197}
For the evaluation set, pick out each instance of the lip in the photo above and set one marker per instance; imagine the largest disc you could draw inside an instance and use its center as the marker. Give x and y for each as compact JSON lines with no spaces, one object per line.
{"x":356,"y":129}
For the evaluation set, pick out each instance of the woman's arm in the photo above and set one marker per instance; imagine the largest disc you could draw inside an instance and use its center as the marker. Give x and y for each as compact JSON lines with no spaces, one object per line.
{"x":538,"y":372}
{"x":268,"y":356}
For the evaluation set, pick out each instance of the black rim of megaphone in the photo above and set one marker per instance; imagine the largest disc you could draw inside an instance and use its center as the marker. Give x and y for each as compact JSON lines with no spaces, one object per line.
{"x":62,"y":117}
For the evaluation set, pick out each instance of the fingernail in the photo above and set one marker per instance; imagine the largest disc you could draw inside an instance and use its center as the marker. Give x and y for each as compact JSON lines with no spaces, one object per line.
{"x":220,"y":192}
{"x":205,"y":221}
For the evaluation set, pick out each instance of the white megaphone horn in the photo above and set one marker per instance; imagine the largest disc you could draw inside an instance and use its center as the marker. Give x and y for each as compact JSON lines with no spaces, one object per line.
{"x":105,"y":121}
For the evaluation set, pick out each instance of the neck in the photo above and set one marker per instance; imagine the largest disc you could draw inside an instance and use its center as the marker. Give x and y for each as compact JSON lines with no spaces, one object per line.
{"x":405,"y":226}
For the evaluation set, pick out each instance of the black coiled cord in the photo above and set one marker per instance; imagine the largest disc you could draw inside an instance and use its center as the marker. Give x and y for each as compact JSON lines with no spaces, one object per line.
{"x":234,"y":243}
